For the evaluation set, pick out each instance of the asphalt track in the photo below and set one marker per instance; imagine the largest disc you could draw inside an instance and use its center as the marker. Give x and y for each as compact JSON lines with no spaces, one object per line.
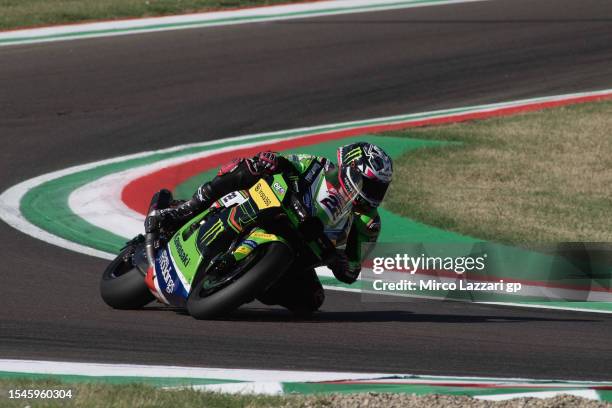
{"x":68,"y":103}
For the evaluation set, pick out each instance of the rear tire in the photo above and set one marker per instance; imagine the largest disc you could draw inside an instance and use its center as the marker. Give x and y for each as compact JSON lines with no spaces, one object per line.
{"x":123,"y":286}
{"x":274,"y":262}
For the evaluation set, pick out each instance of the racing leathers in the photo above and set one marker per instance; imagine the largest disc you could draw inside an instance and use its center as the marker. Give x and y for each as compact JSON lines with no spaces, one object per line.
{"x":346,"y":226}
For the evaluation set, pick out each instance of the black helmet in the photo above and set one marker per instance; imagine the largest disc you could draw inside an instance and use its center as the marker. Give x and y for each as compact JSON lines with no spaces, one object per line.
{"x":365,"y":170}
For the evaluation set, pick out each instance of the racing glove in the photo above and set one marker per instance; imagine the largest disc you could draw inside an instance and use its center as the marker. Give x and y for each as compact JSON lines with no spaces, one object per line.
{"x":343,"y":269}
{"x":266,"y":162}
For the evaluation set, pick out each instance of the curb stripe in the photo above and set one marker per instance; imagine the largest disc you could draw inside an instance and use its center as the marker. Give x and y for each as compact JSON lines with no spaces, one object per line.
{"x":588,"y":394}
{"x":133,"y":193}
{"x":277,"y":382}
{"x":160,"y":371}
{"x":209,"y":19}
{"x":15,"y":211}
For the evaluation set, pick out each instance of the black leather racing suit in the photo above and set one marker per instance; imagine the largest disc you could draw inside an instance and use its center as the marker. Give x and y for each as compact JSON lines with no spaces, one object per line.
{"x":300,"y":292}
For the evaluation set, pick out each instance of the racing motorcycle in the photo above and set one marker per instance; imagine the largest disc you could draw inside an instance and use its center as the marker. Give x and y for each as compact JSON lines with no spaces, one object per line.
{"x":225,"y":256}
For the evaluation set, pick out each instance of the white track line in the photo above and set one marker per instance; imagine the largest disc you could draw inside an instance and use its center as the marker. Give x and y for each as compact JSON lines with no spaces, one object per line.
{"x":216,"y":18}
{"x":136,"y":370}
{"x":100,"y":204}
{"x":232,"y":374}
{"x":11,"y":198}
{"x":111,"y":213}
{"x":588,"y":394}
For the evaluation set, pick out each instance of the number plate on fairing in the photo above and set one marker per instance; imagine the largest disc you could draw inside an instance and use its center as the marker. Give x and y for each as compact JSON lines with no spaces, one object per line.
{"x":233,"y":198}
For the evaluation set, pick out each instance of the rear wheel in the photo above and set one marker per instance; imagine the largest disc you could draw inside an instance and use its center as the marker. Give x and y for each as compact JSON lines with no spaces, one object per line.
{"x":260,"y":271}
{"x":123,"y":285}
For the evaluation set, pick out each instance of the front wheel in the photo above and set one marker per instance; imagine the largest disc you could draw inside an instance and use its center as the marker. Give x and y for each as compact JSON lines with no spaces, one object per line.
{"x":269,"y":264}
{"x":123,"y":285}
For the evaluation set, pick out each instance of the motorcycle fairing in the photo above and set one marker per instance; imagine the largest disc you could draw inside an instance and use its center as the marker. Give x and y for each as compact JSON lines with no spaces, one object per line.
{"x":211,"y":233}
{"x":172,"y":284}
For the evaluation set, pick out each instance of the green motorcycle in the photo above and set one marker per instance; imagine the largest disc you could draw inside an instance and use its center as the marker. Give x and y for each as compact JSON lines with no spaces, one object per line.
{"x":226,"y":256}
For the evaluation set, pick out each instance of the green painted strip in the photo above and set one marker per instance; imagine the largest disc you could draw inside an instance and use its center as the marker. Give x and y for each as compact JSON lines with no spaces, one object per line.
{"x":395,"y":228}
{"x":400,"y":229}
{"x":605,"y":395}
{"x":489,"y":387}
{"x":153,"y":381}
{"x":59,"y":220}
{"x":46,"y":205}
{"x":418,"y":389}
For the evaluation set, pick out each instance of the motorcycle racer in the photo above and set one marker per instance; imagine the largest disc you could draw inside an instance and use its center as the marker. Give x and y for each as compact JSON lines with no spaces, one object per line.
{"x":345,"y":196}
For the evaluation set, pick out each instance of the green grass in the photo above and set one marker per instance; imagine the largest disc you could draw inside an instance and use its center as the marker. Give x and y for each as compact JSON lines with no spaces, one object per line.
{"x":92,"y":395}
{"x":99,"y":395}
{"x":28,"y":13}
{"x":538,"y":177}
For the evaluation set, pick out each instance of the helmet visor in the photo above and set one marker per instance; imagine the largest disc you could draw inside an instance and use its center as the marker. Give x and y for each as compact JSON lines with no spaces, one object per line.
{"x":374,"y":191}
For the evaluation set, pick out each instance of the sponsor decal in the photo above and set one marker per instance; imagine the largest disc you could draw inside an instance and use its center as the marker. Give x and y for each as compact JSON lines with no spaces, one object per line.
{"x":332,"y":204}
{"x":263,"y":235}
{"x":314,"y":170}
{"x":180,"y":251}
{"x":307,"y":200}
{"x":383,"y":166}
{"x":353,"y":154}
{"x":164,"y":267}
{"x":249,"y":243}
{"x":263,"y":196}
{"x":213,"y":232}
{"x":278,"y":187}
{"x":168,"y":282}
{"x":243,"y":249}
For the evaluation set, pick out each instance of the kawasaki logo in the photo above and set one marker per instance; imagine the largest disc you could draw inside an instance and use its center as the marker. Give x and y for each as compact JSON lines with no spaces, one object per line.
{"x":181,"y":252}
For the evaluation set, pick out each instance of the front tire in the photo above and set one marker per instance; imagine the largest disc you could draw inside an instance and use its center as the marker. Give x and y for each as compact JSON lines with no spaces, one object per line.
{"x":274,"y":261}
{"x":122,"y":285}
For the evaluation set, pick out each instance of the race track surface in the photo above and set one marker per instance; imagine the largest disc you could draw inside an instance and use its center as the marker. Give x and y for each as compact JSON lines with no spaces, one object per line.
{"x":69,"y":103}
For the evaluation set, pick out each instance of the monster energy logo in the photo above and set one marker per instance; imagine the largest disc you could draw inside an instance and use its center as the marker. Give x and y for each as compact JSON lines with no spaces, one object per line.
{"x":353,"y":154}
{"x":213,"y":232}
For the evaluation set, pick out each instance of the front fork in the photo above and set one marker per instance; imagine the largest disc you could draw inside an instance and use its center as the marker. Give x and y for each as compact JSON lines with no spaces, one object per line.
{"x":151,"y":237}
{"x":160,"y":200}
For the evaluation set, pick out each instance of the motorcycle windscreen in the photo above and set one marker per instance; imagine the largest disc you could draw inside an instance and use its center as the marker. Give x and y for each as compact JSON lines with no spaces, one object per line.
{"x":335,"y":199}
{"x":351,"y":183}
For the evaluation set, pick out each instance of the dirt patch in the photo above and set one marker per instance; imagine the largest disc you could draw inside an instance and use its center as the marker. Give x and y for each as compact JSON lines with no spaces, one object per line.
{"x":438,"y":401}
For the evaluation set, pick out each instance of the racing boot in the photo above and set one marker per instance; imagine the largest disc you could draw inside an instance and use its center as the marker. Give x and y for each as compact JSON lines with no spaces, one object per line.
{"x":172,"y":218}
